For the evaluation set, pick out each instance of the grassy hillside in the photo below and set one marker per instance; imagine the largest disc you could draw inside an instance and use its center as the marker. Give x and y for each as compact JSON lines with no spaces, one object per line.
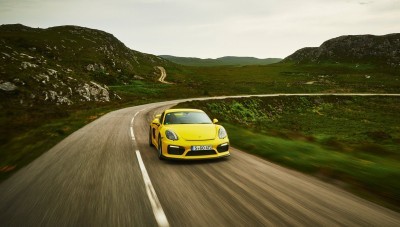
{"x":67,"y":65}
{"x":281,"y":78}
{"x":350,"y":141}
{"x":80,"y":52}
{"x":223,"y":61}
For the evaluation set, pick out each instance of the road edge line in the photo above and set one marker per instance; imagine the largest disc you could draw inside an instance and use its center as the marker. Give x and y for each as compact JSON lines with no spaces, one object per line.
{"x":151,"y":193}
{"x":158,"y":211}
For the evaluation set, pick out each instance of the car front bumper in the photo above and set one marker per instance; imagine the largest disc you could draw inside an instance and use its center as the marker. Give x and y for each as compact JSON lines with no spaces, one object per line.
{"x":183,"y":149}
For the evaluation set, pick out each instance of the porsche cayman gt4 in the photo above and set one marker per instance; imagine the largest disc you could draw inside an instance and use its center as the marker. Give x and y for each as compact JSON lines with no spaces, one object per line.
{"x":188,"y":134}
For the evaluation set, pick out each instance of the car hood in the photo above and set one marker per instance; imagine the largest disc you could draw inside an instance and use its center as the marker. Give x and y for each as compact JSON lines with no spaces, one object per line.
{"x":195,"y":131}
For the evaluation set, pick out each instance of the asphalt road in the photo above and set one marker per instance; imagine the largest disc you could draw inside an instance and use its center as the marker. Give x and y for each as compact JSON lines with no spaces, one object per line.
{"x":94,"y":178}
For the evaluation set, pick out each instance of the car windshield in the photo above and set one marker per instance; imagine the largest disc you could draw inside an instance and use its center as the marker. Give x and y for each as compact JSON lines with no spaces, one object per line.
{"x":187,"y":118}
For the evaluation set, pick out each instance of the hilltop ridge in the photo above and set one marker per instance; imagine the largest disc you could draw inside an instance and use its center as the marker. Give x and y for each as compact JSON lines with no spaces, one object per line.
{"x":67,"y":65}
{"x":222,"y":61}
{"x":368,"y":49}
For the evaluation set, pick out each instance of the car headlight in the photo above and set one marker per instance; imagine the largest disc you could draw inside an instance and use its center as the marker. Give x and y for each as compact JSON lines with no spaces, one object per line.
{"x":222,"y":133}
{"x":171,"y":135}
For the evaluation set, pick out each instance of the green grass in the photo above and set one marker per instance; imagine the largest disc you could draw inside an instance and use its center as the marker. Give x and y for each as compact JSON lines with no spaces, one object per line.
{"x":141,"y":89}
{"x":355,"y":140}
{"x":284,"y":78}
{"x":361,"y":172}
{"x":27,"y":140}
{"x":27,"y":135}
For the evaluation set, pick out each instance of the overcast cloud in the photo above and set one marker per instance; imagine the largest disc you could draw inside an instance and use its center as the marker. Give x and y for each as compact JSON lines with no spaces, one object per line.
{"x":213,"y":28}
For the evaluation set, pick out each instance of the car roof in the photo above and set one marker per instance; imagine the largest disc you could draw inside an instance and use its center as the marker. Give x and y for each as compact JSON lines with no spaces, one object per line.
{"x":182,"y":110}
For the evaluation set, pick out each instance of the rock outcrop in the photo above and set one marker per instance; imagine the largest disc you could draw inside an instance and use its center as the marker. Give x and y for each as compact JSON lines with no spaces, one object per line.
{"x":370,"y":49}
{"x":8,"y":86}
{"x":67,"y":65}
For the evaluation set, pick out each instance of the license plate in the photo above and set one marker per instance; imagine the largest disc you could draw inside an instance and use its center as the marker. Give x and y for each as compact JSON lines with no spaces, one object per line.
{"x":201,"y":148}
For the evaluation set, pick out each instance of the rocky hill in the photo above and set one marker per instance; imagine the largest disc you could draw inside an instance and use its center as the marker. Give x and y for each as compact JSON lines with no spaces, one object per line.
{"x":66,"y":65}
{"x":369,"y":49}
{"x":228,"y":60}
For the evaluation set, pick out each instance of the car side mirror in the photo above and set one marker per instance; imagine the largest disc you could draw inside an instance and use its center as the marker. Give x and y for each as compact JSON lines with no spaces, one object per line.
{"x":158,"y":116}
{"x":215,"y":121}
{"x":156,"y":122}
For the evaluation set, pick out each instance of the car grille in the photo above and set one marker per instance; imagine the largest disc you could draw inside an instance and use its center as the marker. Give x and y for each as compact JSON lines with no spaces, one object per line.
{"x":200,"y":153}
{"x":175,"y":150}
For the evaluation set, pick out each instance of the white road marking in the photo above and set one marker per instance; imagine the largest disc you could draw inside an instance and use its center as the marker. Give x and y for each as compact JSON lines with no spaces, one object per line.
{"x":158,"y":211}
{"x":132,"y":134}
{"x":133,"y":119}
{"x":151,"y":193}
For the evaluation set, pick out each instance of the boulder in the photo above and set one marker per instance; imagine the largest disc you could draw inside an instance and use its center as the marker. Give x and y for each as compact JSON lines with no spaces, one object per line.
{"x":8,"y":86}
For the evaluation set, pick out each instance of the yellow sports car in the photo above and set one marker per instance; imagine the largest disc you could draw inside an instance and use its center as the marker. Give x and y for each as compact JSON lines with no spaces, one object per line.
{"x":188,"y":134}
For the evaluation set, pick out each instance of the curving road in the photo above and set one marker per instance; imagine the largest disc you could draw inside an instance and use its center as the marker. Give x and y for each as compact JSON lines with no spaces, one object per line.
{"x":105,"y":174}
{"x":163,"y":75}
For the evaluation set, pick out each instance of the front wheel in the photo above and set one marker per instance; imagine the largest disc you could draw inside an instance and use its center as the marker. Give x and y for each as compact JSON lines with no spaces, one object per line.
{"x":160,"y":156}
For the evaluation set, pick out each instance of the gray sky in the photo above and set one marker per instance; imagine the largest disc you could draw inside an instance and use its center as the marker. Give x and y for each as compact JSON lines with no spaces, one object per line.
{"x":213,"y":28}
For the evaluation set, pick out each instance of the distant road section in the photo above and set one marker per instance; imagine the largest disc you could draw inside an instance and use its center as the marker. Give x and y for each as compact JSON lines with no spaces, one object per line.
{"x":106,"y":174}
{"x":163,"y":75}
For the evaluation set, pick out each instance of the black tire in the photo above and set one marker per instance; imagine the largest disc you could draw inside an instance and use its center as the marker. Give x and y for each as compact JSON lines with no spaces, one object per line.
{"x":150,"y":139}
{"x":160,"y":156}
